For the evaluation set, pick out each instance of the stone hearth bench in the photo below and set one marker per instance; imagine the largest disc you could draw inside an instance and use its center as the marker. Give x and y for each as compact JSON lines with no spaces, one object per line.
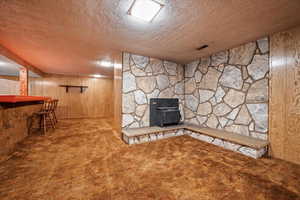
{"x":246,"y":145}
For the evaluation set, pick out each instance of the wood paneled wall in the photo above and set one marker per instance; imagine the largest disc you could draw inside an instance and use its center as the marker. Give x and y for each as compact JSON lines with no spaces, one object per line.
{"x":285,"y":95}
{"x":9,"y":85}
{"x":96,"y":101}
{"x":118,"y":94}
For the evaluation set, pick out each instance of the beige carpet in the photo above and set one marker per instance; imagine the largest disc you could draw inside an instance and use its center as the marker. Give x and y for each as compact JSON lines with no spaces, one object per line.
{"x":83,"y":159}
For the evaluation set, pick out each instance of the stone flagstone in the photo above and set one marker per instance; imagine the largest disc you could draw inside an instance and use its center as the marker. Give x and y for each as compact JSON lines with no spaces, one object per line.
{"x":233,"y":113}
{"x":198,"y":76}
{"x":259,"y":67}
{"x":258,"y":91}
{"x":259,"y":112}
{"x":140,"y":97}
{"x":140,"y":110}
{"x":234,"y":98}
{"x":232,"y":77}
{"x":157,"y":66}
{"x":190,"y":86}
{"x":167,"y":93}
{"x":220,"y":93}
{"x":204,"y":64}
{"x":127,"y":119}
{"x":129,"y":83}
{"x":205,"y":95}
{"x":147,"y":84}
{"x":219,"y":58}
{"x":162,"y":81}
{"x":210,"y":80}
{"x":242,"y":55}
{"x":204,"y":108}
{"x":140,"y":61}
{"x":154,"y":94}
{"x":128,"y":104}
{"x":145,"y":119}
{"x":191,"y":68}
{"x":221,"y":109}
{"x":179,"y":88}
{"x":126,"y":65}
{"x":191,"y":102}
{"x":189,"y":114}
{"x":171,"y":68}
{"x":212,"y":121}
{"x":263,"y":45}
{"x":243,"y":116}
{"x":137,"y":71}
{"x":201,"y":119}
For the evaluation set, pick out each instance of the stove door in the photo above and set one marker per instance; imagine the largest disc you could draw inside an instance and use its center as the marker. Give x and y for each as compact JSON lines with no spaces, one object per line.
{"x":170,"y":117}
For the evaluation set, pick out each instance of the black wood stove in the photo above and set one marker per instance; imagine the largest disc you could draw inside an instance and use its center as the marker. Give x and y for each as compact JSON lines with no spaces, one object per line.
{"x":164,"y":112}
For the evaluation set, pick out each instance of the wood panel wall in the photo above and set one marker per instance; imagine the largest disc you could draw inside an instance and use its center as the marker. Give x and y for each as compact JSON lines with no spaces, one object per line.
{"x":95,"y":102}
{"x":285,"y":95}
{"x":118,"y":94}
{"x":9,"y":85}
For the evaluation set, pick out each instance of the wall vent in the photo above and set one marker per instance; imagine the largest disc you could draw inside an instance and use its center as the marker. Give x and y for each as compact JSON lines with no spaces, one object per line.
{"x":202,"y":47}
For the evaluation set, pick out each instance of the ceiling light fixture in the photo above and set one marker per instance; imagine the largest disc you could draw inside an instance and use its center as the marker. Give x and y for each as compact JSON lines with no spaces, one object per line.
{"x":146,"y":10}
{"x":97,"y":76}
{"x":104,"y":63}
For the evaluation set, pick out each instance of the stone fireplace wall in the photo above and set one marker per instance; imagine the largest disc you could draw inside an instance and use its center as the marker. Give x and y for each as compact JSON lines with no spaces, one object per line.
{"x":229,"y":90}
{"x":145,"y":78}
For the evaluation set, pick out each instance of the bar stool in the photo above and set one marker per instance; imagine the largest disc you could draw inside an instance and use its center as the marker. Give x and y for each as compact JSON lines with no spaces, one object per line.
{"x":46,"y":115}
{"x":55,"y":103}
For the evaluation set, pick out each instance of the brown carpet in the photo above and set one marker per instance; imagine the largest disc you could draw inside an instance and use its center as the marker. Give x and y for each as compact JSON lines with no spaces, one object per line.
{"x":83,"y":159}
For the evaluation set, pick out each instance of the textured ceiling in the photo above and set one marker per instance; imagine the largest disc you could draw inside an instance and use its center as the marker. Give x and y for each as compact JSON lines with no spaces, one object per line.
{"x":68,"y":36}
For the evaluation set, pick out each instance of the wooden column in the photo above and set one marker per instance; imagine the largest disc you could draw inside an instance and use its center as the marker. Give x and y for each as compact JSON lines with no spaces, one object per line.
{"x":285,"y":95}
{"x":118,"y":93}
{"x":23,"y":78}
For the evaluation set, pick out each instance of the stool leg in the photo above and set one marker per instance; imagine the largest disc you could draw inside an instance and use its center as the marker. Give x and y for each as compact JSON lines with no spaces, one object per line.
{"x":55,"y":116}
{"x":51,"y":120}
{"x":41,"y":122}
{"x":44,"y":124}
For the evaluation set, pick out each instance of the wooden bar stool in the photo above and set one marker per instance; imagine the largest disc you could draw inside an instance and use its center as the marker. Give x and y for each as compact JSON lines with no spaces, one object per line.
{"x":46,"y":115}
{"x":55,"y":103}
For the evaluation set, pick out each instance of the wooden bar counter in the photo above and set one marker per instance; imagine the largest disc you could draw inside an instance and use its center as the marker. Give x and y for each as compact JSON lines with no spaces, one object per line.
{"x":16,"y":118}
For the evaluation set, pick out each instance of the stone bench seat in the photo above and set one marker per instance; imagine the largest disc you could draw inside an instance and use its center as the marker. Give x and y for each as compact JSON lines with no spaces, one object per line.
{"x":131,"y":132}
{"x":246,"y":145}
{"x":229,"y":136}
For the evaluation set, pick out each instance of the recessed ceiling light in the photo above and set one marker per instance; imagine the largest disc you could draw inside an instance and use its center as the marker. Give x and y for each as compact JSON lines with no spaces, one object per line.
{"x":104,"y":63}
{"x":145,"y":9}
{"x":97,"y":75}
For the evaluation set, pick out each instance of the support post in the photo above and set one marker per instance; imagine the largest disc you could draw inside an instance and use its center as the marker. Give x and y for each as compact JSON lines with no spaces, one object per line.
{"x":23,"y":79}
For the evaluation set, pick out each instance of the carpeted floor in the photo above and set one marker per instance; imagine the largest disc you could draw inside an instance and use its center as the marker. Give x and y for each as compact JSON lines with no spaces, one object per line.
{"x":84,"y":159}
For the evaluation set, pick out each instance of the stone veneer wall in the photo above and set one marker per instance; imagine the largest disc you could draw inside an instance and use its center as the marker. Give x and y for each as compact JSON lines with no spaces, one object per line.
{"x":145,"y":78}
{"x":16,"y":121}
{"x":229,"y":90}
